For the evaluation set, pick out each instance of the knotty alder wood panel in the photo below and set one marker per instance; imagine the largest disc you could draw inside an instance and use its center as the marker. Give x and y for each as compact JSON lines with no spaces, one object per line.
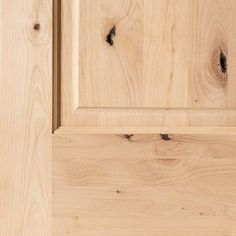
{"x":159,"y":57}
{"x":155,"y":53}
{"x":144,"y":185}
{"x":25,"y":117}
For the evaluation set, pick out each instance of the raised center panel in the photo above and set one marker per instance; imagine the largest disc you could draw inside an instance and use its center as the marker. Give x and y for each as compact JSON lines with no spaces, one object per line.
{"x":153,"y":53}
{"x":170,"y":62}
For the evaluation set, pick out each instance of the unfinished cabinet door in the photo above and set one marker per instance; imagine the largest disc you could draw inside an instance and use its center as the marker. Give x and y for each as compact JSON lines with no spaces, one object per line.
{"x":148,"y":63}
{"x":144,"y":119}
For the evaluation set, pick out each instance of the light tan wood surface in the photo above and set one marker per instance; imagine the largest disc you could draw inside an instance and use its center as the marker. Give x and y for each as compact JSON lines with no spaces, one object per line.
{"x":167,"y":59}
{"x":164,"y":53}
{"x":25,"y":117}
{"x":141,"y":96}
{"x":144,"y":185}
{"x":139,"y":68}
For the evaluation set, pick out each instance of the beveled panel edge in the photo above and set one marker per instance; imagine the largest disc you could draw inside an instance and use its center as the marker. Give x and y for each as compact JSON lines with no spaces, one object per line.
{"x":56,"y":64}
{"x":80,"y":112}
{"x":146,"y":130}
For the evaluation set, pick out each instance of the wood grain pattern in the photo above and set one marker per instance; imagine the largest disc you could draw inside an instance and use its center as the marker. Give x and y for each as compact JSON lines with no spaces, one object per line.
{"x":110,"y":75}
{"x":25,"y":127}
{"x":172,"y":58}
{"x":210,"y":26}
{"x":144,"y":185}
{"x":164,"y":53}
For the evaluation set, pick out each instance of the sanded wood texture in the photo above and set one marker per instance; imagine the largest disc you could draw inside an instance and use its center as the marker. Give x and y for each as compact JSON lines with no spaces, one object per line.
{"x":141,"y":96}
{"x":25,"y":117}
{"x":145,"y":57}
{"x":169,"y":185}
{"x":159,"y":54}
